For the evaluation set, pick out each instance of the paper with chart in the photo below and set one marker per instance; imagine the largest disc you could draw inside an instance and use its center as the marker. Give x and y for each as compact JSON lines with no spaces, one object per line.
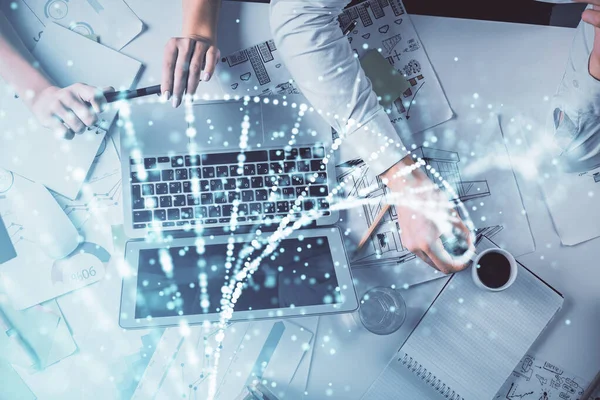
{"x":180,"y":366}
{"x":33,"y":277}
{"x":481,"y":177}
{"x":537,"y":379}
{"x":110,"y":21}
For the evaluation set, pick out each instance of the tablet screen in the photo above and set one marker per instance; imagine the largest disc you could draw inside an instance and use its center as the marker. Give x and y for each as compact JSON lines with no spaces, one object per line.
{"x":179,"y":281}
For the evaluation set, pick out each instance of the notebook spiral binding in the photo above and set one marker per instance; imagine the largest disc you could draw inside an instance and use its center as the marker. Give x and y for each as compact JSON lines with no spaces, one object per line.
{"x":415,"y":367}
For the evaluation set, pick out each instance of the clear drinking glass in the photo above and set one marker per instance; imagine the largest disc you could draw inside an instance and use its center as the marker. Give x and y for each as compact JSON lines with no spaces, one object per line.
{"x":382,"y":310}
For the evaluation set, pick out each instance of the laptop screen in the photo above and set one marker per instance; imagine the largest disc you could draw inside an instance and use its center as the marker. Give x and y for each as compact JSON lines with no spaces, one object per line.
{"x":298,"y":273}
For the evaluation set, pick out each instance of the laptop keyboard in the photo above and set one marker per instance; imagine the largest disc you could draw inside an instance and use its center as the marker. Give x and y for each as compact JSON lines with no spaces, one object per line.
{"x":184,"y":190}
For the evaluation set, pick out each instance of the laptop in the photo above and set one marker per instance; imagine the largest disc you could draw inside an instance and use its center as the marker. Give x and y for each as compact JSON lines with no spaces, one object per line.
{"x":185,"y":171}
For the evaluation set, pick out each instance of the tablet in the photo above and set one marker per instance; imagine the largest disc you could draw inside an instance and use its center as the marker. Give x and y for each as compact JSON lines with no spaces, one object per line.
{"x":307,"y":274}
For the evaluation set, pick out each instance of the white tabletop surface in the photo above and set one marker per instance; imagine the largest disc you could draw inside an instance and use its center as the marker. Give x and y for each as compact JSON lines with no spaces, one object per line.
{"x":511,"y":65}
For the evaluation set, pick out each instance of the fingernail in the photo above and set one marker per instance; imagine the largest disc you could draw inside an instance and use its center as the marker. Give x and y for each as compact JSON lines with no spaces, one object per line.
{"x":205,"y":76}
{"x":175,"y":101}
{"x":166,"y":95}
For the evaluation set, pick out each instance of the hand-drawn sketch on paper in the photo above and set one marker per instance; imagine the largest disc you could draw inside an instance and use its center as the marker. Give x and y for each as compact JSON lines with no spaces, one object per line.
{"x":257,"y":70}
{"x":487,"y":189}
{"x":385,"y":245}
{"x":379,"y":27}
{"x":535,"y":379}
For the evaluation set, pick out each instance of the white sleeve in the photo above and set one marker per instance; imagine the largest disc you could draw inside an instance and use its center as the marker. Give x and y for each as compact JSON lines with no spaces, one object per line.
{"x":576,"y":107}
{"x":329,"y":74}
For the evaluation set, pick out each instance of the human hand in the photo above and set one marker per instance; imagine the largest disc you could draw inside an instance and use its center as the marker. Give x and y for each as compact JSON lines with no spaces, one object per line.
{"x":68,"y":111}
{"x":424,"y":214}
{"x":592,"y":17}
{"x":187,"y":61}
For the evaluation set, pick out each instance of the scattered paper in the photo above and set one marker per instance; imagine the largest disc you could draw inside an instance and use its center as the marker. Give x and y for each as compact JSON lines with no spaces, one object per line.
{"x":180,"y":366}
{"x":112,"y":21}
{"x":572,"y":198}
{"x":33,"y":277}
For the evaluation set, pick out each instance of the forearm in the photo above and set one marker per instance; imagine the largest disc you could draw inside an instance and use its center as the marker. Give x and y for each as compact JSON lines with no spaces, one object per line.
{"x":17,"y":64}
{"x":323,"y":65}
{"x":576,"y":106}
{"x":200,"y":18}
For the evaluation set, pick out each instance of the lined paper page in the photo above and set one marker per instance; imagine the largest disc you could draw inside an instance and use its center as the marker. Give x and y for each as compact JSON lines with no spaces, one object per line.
{"x":472,"y":339}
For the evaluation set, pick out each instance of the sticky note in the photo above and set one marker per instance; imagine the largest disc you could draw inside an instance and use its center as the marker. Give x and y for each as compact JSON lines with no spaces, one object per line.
{"x":7,"y":250}
{"x":388,"y":83}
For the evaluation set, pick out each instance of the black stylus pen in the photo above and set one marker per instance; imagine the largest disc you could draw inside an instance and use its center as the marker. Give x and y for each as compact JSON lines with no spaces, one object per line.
{"x":131,"y":94}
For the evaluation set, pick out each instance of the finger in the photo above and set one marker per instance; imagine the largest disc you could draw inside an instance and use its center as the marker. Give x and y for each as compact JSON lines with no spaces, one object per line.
{"x":182,"y":68}
{"x":424,"y":257}
{"x":442,"y":259}
{"x":465,"y":234}
{"x":168,"y":71}
{"x":59,"y":128}
{"x":68,"y":116}
{"x":92,"y":96}
{"x":195,"y":68}
{"x":82,"y":110}
{"x":210,"y":62}
{"x":592,"y":17}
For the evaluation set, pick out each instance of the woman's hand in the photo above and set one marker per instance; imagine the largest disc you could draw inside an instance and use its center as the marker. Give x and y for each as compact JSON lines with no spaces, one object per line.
{"x":192,"y":57}
{"x":187,"y":61}
{"x":70,"y":110}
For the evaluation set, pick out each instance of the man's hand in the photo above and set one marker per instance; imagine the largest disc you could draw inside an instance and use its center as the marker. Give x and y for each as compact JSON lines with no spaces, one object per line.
{"x":187,"y":61}
{"x":70,"y":110}
{"x":592,"y":17}
{"x":424,"y":214}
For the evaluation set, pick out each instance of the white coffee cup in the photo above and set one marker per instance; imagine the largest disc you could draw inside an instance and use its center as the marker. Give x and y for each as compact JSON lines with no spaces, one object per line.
{"x":513,"y":269}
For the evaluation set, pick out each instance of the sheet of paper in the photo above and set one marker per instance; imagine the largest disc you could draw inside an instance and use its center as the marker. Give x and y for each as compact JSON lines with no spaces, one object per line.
{"x":7,"y":250}
{"x":33,"y":277}
{"x":111,"y":20}
{"x":179,"y":367}
{"x":389,"y":28}
{"x":32,"y":151}
{"x":257,"y":70}
{"x":300,"y":381}
{"x":41,"y":333}
{"x":537,"y":379}
{"x":100,"y":197}
{"x":480,"y":175}
{"x":572,"y":198}
{"x":24,"y":22}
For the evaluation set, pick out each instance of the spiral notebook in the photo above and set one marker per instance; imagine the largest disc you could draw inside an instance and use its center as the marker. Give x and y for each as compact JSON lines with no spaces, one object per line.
{"x":469,"y":340}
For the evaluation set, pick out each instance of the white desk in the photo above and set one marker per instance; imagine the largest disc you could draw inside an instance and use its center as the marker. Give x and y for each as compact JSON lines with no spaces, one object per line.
{"x":512,"y":65}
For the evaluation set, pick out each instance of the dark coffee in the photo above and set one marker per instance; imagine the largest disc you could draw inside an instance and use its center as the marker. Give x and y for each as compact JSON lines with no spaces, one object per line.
{"x":494,"y":270}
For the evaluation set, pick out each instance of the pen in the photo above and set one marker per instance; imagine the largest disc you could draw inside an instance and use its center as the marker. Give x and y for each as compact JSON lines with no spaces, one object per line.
{"x":131,"y":94}
{"x":591,"y":388}
{"x":349,"y":28}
